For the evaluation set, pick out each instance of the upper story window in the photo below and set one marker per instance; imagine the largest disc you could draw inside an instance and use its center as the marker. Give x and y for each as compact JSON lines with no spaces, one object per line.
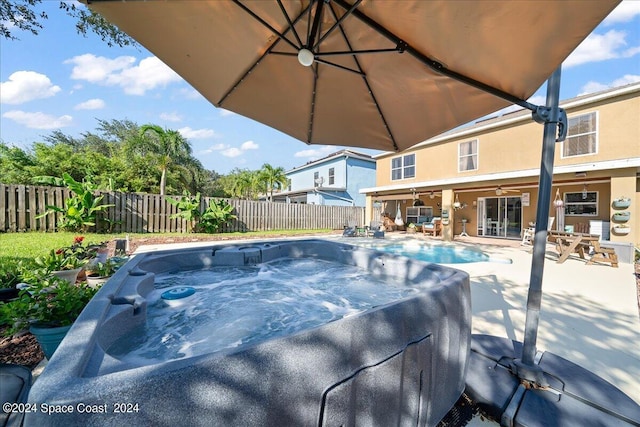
{"x":403,"y":167}
{"x":582,"y":136}
{"x":316,"y":179}
{"x":332,"y":176}
{"x":468,"y":156}
{"x":584,"y":203}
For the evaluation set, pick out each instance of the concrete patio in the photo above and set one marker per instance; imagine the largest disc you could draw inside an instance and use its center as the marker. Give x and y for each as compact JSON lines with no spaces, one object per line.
{"x":589,"y":313}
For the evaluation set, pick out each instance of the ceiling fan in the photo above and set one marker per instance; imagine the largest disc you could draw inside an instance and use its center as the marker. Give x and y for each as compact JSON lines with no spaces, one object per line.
{"x":431,"y":194}
{"x":499,"y":191}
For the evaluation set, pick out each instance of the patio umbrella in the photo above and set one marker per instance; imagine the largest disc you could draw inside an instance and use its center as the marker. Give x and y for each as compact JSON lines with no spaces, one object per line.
{"x":378,"y":74}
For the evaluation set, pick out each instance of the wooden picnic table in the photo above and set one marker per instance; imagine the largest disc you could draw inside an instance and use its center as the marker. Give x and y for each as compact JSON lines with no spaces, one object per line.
{"x":568,"y":243}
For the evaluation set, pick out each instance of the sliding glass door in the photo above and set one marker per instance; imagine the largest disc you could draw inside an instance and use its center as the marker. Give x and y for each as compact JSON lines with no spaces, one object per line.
{"x":501,"y":216}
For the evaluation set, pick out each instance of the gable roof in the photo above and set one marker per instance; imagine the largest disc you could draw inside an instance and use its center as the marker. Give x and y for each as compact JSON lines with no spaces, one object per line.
{"x":342,"y":153}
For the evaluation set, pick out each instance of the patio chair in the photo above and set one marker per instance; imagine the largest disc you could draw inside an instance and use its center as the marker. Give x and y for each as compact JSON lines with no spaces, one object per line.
{"x":603,"y":254}
{"x":376,"y":230}
{"x":432,"y":227}
{"x":350,"y":230}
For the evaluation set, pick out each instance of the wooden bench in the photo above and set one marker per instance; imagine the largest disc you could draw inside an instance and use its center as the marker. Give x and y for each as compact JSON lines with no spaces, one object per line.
{"x":603,"y":254}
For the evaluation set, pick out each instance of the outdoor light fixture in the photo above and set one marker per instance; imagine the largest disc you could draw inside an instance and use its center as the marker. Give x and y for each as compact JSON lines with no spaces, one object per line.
{"x":499,"y":191}
{"x":305,"y":57}
{"x":431,"y":195}
{"x":584,"y":192}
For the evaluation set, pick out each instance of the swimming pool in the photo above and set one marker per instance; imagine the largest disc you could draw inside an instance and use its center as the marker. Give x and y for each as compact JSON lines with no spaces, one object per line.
{"x":433,"y":252}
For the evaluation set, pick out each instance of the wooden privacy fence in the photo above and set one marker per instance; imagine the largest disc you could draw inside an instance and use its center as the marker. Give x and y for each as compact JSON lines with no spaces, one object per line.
{"x":20,"y":205}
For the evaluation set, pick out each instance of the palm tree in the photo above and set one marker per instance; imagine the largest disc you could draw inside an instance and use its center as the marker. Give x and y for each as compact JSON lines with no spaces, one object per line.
{"x":272,"y":178}
{"x":171,"y":147}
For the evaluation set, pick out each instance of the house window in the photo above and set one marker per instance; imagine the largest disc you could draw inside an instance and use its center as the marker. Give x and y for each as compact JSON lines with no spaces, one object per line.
{"x":468,"y":156}
{"x":581,"y":136}
{"x":584,"y":203}
{"x":403,"y":167}
{"x":316,"y":179}
{"x":332,"y":176}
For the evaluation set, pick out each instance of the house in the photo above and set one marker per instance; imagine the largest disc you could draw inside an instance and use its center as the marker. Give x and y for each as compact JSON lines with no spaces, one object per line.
{"x":334,"y":180}
{"x":484,"y":177}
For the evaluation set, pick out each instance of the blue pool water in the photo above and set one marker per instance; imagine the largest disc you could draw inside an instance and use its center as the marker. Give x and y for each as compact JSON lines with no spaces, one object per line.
{"x":440,"y":254}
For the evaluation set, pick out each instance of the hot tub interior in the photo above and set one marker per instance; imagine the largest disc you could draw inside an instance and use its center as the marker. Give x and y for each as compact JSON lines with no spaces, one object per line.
{"x":274,"y":333}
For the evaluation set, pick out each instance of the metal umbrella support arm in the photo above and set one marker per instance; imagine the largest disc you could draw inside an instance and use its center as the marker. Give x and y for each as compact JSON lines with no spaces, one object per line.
{"x":553,"y":118}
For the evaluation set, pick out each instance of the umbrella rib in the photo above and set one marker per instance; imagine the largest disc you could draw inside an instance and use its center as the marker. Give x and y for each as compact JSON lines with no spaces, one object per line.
{"x":252,"y":67}
{"x":434,"y":65}
{"x":286,"y":16}
{"x":313,"y":104}
{"x":358,"y":52}
{"x":266,"y":24}
{"x":337,"y":23}
{"x":342,"y":67}
{"x":366,"y":82}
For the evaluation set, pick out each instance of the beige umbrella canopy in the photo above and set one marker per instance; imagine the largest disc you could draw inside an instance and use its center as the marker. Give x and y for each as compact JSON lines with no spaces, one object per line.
{"x":384,"y":74}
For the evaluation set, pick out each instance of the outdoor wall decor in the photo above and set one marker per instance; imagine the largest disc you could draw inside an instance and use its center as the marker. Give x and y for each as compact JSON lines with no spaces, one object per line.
{"x":623,"y":216}
{"x":621,"y":202}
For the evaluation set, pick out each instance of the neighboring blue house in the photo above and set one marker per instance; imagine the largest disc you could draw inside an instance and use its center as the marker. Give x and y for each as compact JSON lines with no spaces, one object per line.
{"x":334,"y":180}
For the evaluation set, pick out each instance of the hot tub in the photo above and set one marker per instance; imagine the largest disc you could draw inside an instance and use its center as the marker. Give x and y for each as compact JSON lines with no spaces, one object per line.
{"x":393,"y":355}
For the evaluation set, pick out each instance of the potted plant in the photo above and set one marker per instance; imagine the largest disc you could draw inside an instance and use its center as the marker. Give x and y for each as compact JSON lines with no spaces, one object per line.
{"x":622,"y":202}
{"x":99,"y":272}
{"x":67,"y":262}
{"x":621,"y":229}
{"x":48,"y":306}
{"x":411,"y":228}
{"x":622,"y":216}
{"x":60,"y":263}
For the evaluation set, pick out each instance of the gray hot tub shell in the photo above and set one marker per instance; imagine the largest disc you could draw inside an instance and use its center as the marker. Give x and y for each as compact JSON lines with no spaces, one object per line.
{"x":402,"y":363}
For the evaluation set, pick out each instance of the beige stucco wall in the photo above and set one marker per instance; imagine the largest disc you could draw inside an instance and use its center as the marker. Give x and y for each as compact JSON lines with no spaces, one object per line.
{"x":518,"y":146}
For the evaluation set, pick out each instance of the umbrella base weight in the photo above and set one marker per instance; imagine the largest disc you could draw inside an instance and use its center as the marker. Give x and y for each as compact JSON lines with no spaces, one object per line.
{"x":574,"y":395}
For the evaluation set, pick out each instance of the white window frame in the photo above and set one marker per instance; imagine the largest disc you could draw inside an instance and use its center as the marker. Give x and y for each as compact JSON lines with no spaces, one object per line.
{"x":332,"y":176}
{"x":570,"y":136}
{"x":404,"y":167}
{"x":566,"y":204}
{"x":476,"y":154}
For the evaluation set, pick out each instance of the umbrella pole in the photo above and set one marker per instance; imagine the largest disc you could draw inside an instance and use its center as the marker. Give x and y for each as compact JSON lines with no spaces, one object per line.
{"x":553,"y":118}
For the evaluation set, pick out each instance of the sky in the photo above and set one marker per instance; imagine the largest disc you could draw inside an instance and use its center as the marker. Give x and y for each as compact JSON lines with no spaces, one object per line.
{"x":59,"y":80}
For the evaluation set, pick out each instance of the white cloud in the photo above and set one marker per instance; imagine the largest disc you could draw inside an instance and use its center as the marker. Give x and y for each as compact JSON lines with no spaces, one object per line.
{"x":315,"y":153}
{"x":24,"y":86}
{"x":149,"y":74}
{"x":38,"y":120}
{"x":91,"y":104}
{"x":249,"y":145}
{"x":624,"y":12}
{"x":599,"y":47}
{"x":592,"y":86}
{"x":187,"y":132}
{"x":231,"y":152}
{"x":171,"y":117}
{"x":213,"y":148}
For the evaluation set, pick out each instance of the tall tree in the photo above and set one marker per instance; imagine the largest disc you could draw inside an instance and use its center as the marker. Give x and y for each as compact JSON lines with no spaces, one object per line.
{"x":24,"y":15}
{"x":170,"y":147}
{"x":272,"y":178}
